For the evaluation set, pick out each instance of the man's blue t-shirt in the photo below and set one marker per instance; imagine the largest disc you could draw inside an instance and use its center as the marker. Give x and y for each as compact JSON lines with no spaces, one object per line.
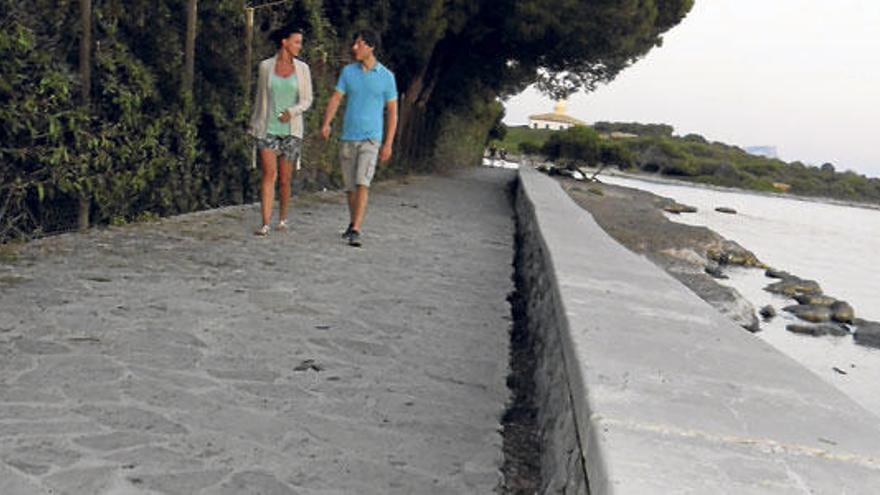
{"x":366,"y":93}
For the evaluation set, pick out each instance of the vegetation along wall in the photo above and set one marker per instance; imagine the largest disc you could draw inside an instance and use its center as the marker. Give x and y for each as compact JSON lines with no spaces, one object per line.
{"x":118,"y":135}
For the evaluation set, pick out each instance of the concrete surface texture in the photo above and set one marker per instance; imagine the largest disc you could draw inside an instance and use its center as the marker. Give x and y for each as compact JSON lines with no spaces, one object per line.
{"x":671,"y":397}
{"x":189,"y":357}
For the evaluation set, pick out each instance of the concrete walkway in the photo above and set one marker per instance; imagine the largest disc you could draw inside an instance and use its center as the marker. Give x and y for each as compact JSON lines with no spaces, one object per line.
{"x":189,"y":357}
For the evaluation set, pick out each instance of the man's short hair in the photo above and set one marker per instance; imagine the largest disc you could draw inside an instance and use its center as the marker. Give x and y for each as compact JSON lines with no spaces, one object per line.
{"x":282,"y":33}
{"x":369,"y":36}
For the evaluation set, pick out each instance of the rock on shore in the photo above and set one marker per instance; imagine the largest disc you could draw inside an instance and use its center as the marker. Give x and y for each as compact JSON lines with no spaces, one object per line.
{"x":818,"y":330}
{"x":794,"y":286}
{"x":677,"y":208}
{"x":636,"y":219}
{"x":768,"y":312}
{"x":809,"y":312}
{"x":696,"y":256}
{"x":867,"y":333}
{"x":812,"y":305}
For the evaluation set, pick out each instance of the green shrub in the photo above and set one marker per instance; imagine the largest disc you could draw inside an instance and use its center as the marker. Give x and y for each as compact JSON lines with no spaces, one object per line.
{"x":529,"y":148}
{"x":614,"y":153}
{"x":579,"y":144}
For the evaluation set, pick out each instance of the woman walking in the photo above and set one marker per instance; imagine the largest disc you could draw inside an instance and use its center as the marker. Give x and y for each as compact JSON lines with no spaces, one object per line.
{"x":284,"y":92}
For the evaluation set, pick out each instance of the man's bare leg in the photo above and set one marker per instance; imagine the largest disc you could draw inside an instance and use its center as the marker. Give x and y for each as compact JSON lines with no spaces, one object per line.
{"x":359,"y":206}
{"x":351,"y":206}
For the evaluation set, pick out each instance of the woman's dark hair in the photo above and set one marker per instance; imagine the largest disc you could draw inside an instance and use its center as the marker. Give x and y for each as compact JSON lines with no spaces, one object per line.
{"x":369,"y":37}
{"x":282,"y":33}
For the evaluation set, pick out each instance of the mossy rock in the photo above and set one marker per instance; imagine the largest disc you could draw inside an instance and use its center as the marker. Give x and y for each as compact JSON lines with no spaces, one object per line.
{"x":677,"y":208}
{"x":818,"y":330}
{"x":794,"y":286}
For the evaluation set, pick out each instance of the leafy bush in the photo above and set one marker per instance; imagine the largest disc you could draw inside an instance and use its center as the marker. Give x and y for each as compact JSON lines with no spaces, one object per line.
{"x":614,"y":153}
{"x":529,"y":148}
{"x":578,"y":143}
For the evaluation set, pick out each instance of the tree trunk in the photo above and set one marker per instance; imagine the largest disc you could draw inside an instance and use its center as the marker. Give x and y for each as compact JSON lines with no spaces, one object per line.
{"x":417,"y":131}
{"x":85,"y":74}
{"x":82,"y":217}
{"x":190,"y":48}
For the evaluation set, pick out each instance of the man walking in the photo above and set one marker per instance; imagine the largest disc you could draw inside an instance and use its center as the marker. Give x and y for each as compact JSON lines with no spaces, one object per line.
{"x":370,"y":92}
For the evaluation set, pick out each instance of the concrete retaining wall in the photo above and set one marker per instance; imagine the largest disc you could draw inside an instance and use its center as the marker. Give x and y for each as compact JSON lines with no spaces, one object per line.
{"x":645,"y":388}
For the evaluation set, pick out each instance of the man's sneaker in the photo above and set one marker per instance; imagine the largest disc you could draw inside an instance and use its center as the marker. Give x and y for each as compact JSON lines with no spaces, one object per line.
{"x":262,"y":231}
{"x":354,"y":238}
{"x":282,"y":226}
{"x":347,"y":231}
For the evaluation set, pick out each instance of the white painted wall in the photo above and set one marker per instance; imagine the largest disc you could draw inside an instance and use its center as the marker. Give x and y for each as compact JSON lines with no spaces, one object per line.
{"x":546,"y":124}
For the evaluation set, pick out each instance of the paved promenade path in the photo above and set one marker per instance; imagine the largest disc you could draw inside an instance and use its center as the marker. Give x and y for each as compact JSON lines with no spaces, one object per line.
{"x":189,"y":357}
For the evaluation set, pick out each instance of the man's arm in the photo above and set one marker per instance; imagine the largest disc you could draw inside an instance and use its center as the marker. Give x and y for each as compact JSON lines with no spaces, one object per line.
{"x":390,"y":129}
{"x":332,"y":107}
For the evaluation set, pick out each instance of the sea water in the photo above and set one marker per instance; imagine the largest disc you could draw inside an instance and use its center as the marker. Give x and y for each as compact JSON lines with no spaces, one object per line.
{"x":834,"y":244}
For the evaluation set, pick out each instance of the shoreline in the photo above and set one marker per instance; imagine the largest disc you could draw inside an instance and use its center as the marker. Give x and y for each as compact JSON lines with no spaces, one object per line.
{"x":658,"y":179}
{"x":635,"y":219}
{"x":644,"y":361}
{"x":661,"y":179}
{"x":792,"y":314}
{"x":698,"y":256}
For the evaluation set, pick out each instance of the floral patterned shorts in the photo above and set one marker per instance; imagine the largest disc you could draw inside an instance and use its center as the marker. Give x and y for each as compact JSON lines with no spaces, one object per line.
{"x":289,"y":146}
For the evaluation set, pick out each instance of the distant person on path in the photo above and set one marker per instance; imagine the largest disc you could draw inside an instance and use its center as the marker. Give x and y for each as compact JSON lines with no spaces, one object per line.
{"x":284,"y":92}
{"x":370,"y":91}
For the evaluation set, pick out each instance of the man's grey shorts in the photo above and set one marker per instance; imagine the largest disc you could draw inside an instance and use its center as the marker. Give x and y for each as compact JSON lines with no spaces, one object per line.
{"x":358,"y":159}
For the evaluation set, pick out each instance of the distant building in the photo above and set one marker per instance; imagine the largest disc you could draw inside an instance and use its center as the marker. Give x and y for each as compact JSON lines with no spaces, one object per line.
{"x":766,"y":151}
{"x":781,"y":186}
{"x":556,"y":121}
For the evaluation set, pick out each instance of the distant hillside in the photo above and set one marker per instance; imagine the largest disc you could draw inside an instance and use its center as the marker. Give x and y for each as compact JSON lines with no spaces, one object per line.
{"x":655,"y":149}
{"x":522,"y":134}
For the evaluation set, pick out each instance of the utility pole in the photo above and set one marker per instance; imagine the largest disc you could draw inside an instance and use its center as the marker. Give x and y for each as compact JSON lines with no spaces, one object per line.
{"x":85,"y":49}
{"x":249,"y":48}
{"x":190,"y":48}
{"x":85,"y":75}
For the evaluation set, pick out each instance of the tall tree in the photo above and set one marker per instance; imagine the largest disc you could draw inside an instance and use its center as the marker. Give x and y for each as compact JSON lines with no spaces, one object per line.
{"x":135,"y":150}
{"x":454,"y":58}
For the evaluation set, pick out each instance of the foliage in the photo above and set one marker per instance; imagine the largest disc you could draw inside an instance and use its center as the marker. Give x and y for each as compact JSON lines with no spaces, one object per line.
{"x":498,"y":131}
{"x":139,"y":148}
{"x":578,"y":144}
{"x":614,"y":153}
{"x":529,"y":148}
{"x":42,"y":135}
{"x":516,"y":136}
{"x":633,"y":128}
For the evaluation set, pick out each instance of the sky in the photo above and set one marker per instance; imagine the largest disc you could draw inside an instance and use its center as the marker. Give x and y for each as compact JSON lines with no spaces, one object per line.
{"x":800,"y":75}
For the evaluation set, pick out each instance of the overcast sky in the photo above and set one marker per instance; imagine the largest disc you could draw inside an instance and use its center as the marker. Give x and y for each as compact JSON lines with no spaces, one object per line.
{"x":801,"y":75}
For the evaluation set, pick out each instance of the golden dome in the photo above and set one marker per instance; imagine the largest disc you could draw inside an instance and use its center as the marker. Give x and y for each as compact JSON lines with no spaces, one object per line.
{"x":559,"y":108}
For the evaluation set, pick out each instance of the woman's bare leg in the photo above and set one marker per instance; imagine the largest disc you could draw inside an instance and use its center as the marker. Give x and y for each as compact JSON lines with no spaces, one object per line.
{"x":269,"y":160}
{"x":286,"y":173}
